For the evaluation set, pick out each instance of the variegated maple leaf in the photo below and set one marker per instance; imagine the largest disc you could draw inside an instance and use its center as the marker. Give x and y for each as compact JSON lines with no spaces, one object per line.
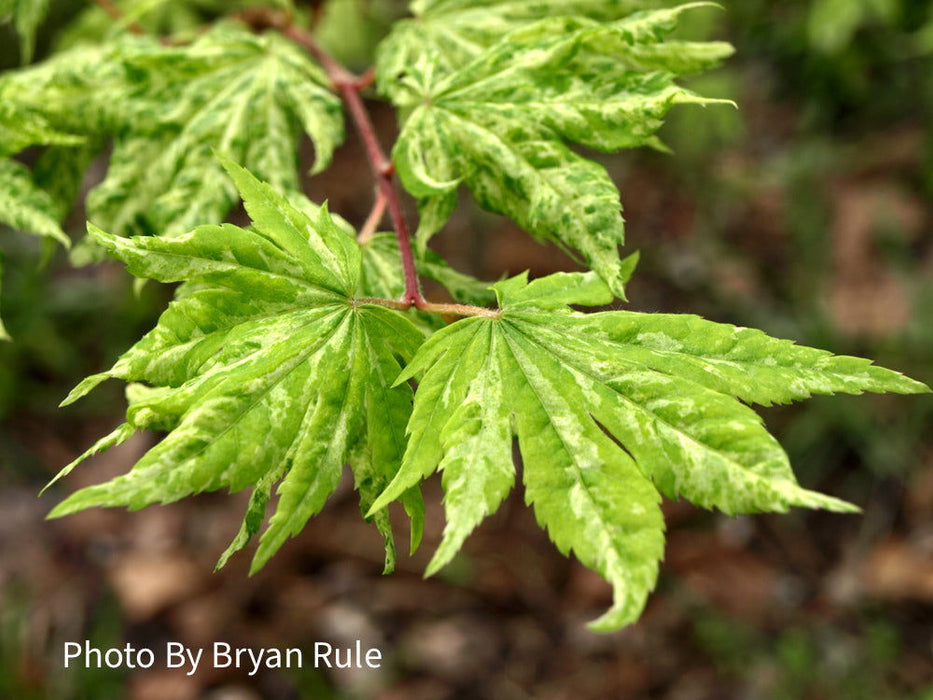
{"x":265,"y":372}
{"x":500,"y":118}
{"x":611,"y":410}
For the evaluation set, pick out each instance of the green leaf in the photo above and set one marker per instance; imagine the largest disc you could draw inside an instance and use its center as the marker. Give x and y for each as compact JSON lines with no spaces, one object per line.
{"x":168,"y":109}
{"x":27,"y":15}
{"x":585,"y":491}
{"x":180,"y":19}
{"x":27,"y":207}
{"x":21,"y":128}
{"x":265,"y":371}
{"x":501,"y":124}
{"x":84,"y":91}
{"x":456,"y":31}
{"x":248,"y":97}
{"x":609,"y":409}
{"x":24,"y":206}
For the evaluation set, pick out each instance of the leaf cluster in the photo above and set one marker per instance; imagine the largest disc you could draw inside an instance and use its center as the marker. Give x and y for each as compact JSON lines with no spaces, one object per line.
{"x":270,"y":337}
{"x":287,"y":353}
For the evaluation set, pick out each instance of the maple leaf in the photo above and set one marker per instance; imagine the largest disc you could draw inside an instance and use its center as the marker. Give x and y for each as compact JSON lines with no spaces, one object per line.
{"x":27,"y":207}
{"x":83,"y":91}
{"x":263,"y":371}
{"x":168,"y":109}
{"x":611,"y":410}
{"x":244,"y":96}
{"x":176,"y":18}
{"x":21,"y":128}
{"x":501,"y":123}
{"x":456,"y":31}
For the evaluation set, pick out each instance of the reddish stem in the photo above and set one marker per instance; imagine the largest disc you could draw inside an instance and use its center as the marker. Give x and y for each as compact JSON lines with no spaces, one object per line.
{"x":383,"y":172}
{"x":372,"y":221}
{"x":445,"y":310}
{"x":349,"y":86}
{"x":116,"y":13}
{"x":367,"y":78}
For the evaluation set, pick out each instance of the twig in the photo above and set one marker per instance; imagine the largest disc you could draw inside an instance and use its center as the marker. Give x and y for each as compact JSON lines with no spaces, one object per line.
{"x":372,"y":221}
{"x":367,"y":78}
{"x":458,"y":310}
{"x":442,"y":309}
{"x":349,"y":86}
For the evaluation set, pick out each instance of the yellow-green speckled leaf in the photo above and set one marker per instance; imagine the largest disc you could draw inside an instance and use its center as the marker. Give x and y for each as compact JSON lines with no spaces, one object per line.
{"x":264,"y":372}
{"x":503,"y":122}
{"x":27,"y":207}
{"x":244,"y":96}
{"x":458,"y":30}
{"x":611,"y":409}
{"x":168,"y":109}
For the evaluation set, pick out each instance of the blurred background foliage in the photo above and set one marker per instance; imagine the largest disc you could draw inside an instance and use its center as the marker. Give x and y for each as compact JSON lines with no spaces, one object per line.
{"x":806,"y":212}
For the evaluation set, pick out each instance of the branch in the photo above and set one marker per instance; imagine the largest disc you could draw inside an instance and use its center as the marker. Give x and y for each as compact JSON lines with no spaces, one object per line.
{"x":349,"y":86}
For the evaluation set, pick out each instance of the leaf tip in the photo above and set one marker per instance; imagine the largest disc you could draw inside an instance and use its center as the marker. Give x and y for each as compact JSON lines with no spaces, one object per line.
{"x":612,"y":620}
{"x":69,"y":506}
{"x":86,"y":386}
{"x":258,"y":562}
{"x":440,"y":559}
{"x":380,"y":503}
{"x":104,"y":239}
{"x":242,"y":178}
